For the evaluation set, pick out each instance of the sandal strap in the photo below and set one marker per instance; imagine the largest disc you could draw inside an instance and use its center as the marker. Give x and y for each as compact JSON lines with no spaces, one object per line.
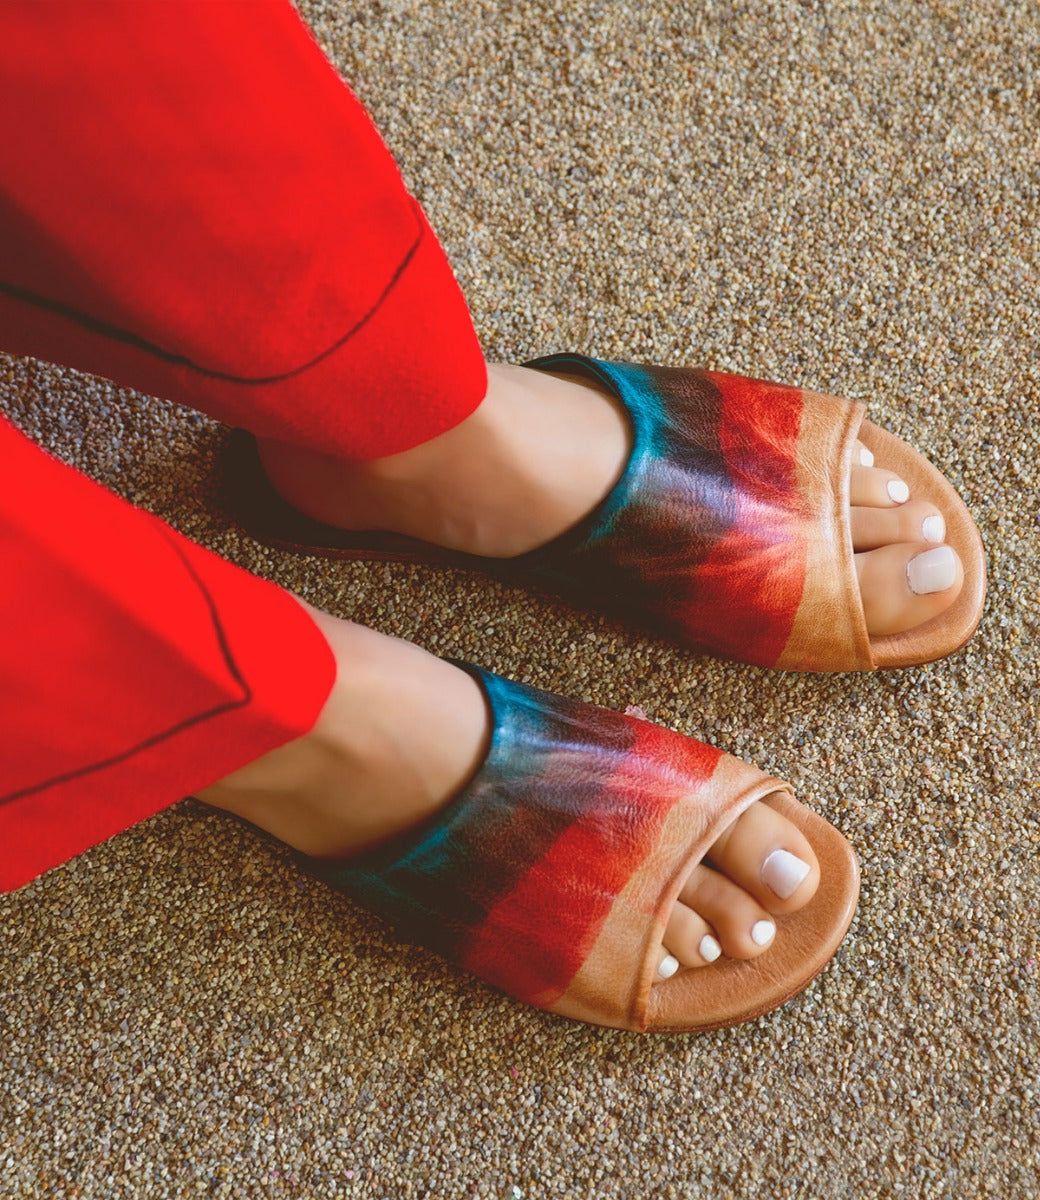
{"x":551,"y":874}
{"x":729,"y":526}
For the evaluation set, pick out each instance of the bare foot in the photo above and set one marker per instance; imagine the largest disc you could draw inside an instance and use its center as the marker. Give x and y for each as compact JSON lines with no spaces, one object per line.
{"x":403,"y":731}
{"x":542,"y":450}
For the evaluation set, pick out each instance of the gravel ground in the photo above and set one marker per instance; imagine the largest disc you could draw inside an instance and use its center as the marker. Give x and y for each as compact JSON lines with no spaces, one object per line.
{"x":841,"y":196}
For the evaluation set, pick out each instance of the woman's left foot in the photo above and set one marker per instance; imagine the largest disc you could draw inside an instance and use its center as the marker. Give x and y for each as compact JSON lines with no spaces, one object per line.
{"x":403,"y":732}
{"x":542,"y":450}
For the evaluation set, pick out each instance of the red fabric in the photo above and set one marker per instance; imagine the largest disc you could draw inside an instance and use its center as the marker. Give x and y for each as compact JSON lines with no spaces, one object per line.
{"x":194,"y":204}
{"x":135,"y":666}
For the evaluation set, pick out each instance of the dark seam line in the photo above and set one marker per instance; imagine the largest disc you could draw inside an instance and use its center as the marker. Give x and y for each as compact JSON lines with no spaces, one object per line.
{"x":131,"y":339}
{"x":229,"y":662}
{"x":218,"y":625}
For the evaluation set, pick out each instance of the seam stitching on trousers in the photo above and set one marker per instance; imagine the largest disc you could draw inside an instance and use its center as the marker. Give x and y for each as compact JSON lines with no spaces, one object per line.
{"x":188,"y":722}
{"x":122,"y":335}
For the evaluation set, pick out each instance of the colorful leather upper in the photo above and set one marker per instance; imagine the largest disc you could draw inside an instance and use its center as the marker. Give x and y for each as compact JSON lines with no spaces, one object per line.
{"x":709,"y":535}
{"x":515,"y":879}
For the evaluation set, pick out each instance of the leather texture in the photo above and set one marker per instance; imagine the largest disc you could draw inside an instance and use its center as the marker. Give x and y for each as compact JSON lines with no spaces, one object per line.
{"x":552,"y":873}
{"x":728,"y":499}
{"x":727,"y":531}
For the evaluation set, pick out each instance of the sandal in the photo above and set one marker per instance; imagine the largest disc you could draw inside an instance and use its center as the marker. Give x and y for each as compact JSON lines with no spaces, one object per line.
{"x":552,"y":873}
{"x":727,"y":531}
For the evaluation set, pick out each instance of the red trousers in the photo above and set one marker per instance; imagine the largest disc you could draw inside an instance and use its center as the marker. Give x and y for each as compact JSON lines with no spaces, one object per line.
{"x":192,"y":203}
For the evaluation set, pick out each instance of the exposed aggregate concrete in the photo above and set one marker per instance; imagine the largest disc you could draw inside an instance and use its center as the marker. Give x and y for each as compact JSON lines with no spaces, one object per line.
{"x":842,"y":196}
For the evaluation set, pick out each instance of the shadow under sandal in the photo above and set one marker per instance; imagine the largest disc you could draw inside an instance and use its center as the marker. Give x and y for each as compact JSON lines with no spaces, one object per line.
{"x":551,"y":875}
{"x":727,"y":532}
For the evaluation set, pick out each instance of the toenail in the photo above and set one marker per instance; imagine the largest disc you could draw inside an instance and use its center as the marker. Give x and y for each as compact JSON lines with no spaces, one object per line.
{"x":669,"y":965}
{"x":933,"y":529}
{"x":709,"y":948}
{"x":932,"y":571}
{"x":782,"y":872}
{"x":898,"y":491}
{"x":762,"y":932}
{"x":866,"y":459}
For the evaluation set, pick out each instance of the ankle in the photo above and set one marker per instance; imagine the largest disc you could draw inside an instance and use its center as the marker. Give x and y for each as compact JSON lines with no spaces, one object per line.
{"x":379,"y":493}
{"x":535,"y":457}
{"x":326,"y":488}
{"x":399,"y":735}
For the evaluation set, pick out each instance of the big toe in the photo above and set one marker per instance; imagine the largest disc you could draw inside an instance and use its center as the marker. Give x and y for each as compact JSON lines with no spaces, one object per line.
{"x":905,"y":584}
{"x":763,"y":853}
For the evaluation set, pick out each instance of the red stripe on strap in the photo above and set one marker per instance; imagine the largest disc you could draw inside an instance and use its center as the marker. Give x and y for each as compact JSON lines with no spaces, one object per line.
{"x":750,"y":585}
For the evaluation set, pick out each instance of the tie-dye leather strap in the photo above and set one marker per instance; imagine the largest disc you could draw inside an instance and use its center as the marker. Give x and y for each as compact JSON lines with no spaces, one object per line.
{"x":728,"y":529}
{"x":550,"y":875}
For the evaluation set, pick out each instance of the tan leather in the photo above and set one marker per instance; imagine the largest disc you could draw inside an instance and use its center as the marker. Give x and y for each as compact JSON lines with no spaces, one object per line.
{"x":617,"y":985}
{"x":829,"y":631}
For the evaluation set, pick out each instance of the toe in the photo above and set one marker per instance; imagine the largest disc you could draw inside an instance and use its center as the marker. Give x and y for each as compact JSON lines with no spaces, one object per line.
{"x":763,"y":853}
{"x":741,"y":925}
{"x":668,"y":965}
{"x":904,"y":585}
{"x":864,"y":457}
{"x":689,"y":939}
{"x":876,"y":488}
{"x":915,"y":521}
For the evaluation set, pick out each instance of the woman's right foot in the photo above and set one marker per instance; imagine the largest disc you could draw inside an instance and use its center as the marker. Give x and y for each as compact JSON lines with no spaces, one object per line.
{"x":542,"y":450}
{"x":403,"y":731}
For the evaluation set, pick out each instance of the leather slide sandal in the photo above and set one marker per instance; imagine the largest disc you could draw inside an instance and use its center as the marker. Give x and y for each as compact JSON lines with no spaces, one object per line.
{"x":727,"y":532}
{"x":552,"y":873}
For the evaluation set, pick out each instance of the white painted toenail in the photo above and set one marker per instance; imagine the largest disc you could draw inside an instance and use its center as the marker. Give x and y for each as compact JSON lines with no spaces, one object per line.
{"x":866,"y":459}
{"x":933,"y":529}
{"x":668,"y":967}
{"x":898,"y":491}
{"x":709,"y":948}
{"x":762,"y":932}
{"x":782,"y":872}
{"x":932,"y":571}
